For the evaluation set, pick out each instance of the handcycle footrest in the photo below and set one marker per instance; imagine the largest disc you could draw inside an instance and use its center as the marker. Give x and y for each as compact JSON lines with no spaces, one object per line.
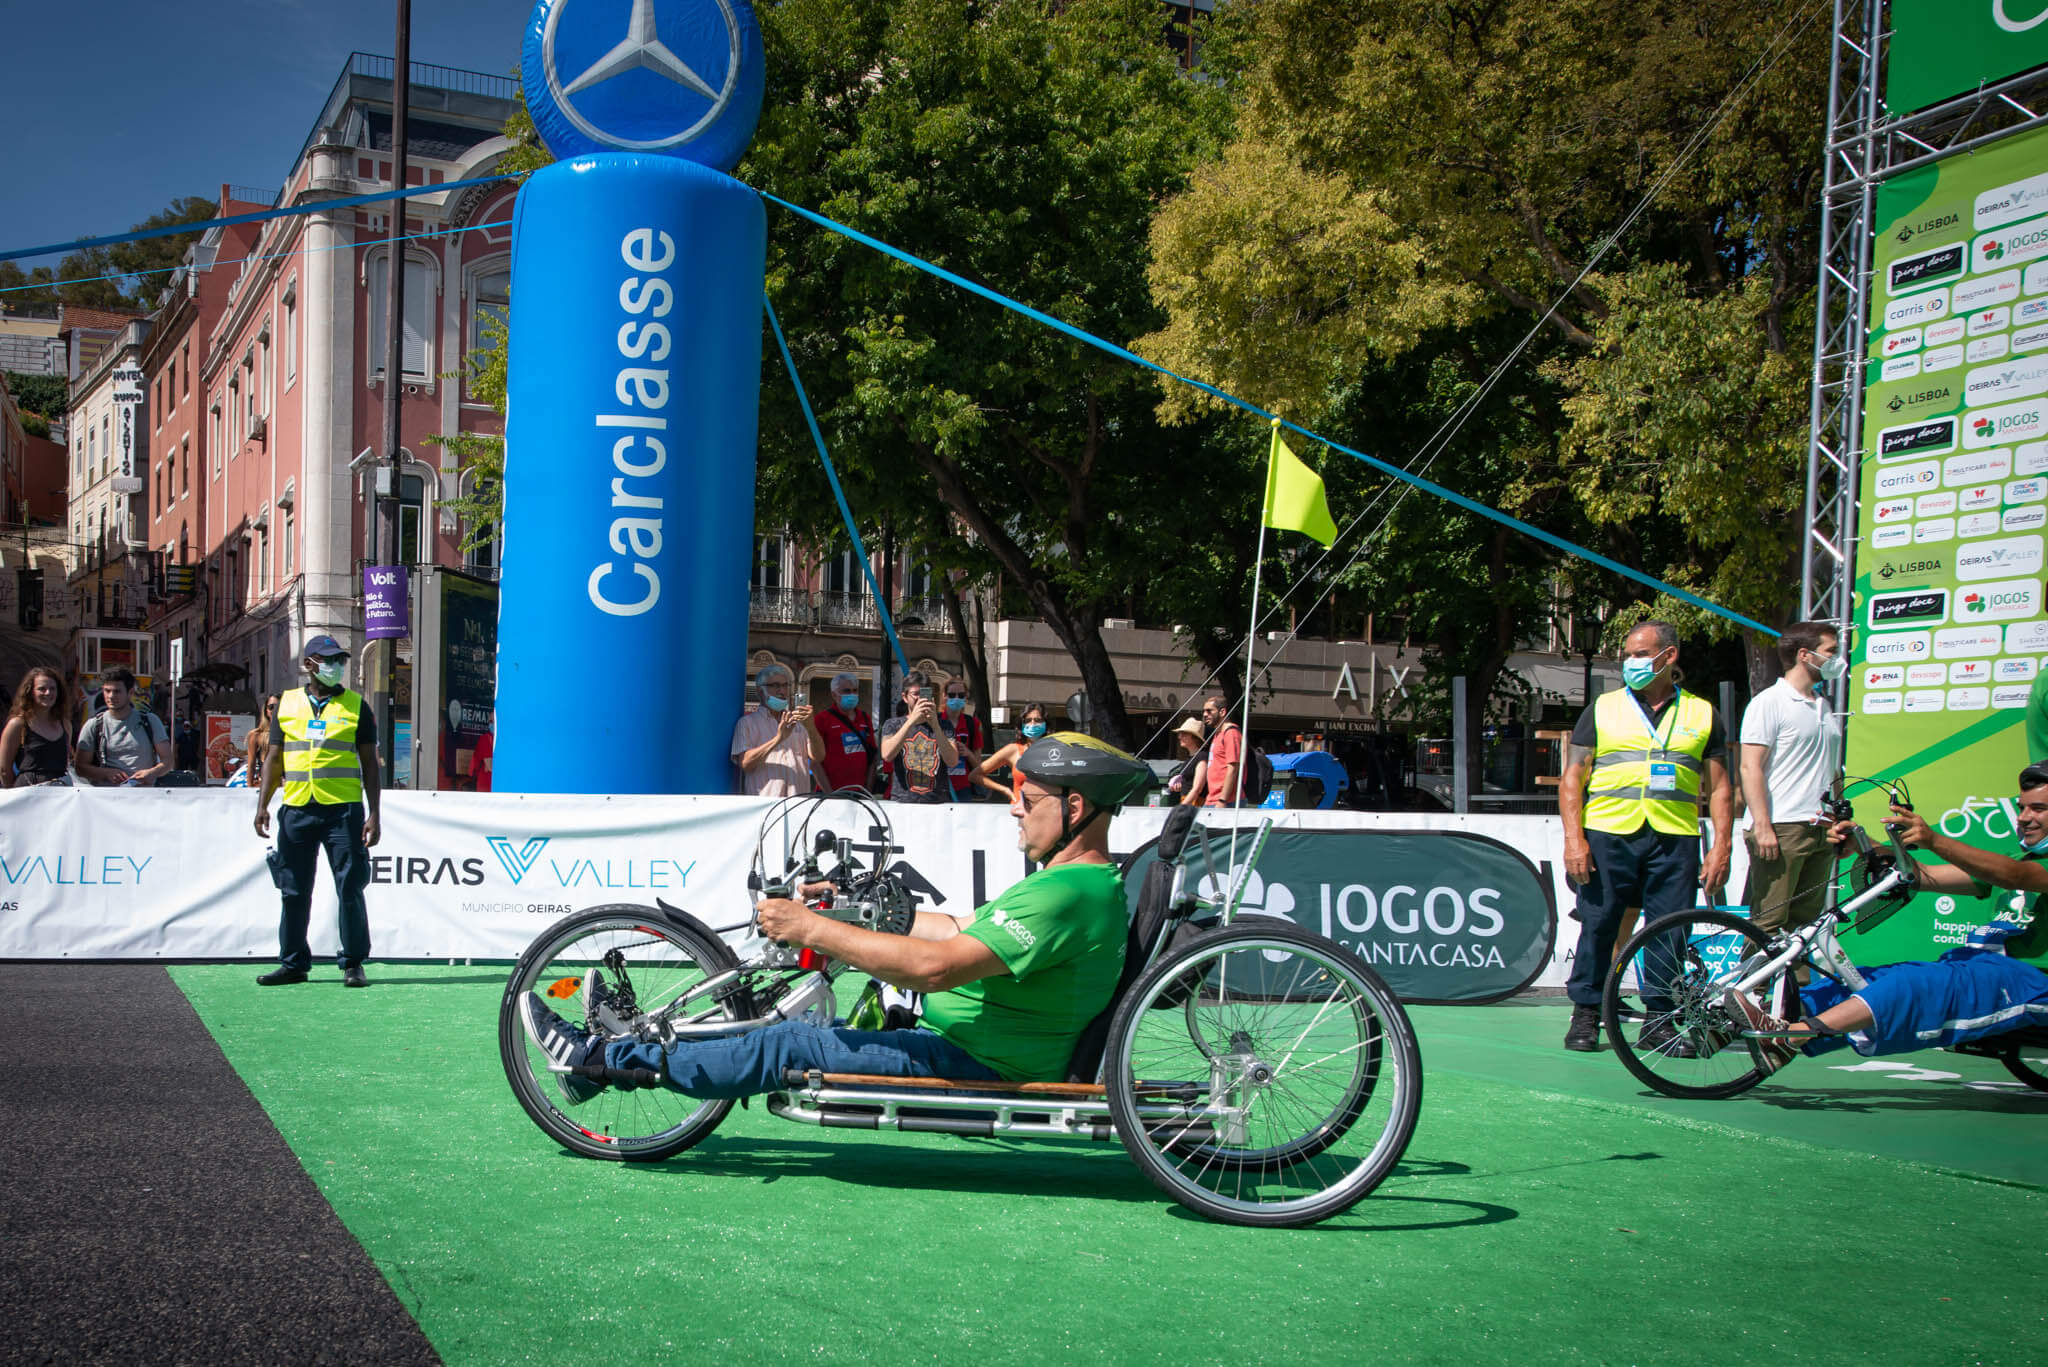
{"x":626,"y":1078}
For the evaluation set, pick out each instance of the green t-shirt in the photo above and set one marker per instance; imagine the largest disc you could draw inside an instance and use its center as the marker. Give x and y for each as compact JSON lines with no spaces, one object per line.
{"x":2037,"y":719}
{"x":1061,"y":934}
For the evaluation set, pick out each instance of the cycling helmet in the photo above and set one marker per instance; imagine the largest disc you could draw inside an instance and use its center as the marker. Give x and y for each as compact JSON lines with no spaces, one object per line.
{"x":1103,"y":775}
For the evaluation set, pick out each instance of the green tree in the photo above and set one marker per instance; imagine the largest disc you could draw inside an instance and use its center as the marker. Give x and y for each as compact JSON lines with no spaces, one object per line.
{"x":1410,"y":174}
{"x":1023,"y":144}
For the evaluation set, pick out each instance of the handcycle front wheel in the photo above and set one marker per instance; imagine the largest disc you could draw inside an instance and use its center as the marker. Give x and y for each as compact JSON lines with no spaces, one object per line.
{"x":1260,"y":1074}
{"x":655,"y":956}
{"x":1695,"y":1049}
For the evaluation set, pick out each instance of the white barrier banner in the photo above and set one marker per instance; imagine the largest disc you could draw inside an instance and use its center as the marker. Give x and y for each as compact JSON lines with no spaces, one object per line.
{"x":91,"y":873}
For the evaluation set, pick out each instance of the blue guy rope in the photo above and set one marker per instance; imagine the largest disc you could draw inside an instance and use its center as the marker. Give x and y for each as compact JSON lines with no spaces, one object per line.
{"x":860,"y":549}
{"x":173,"y":229}
{"x":1427,"y":486}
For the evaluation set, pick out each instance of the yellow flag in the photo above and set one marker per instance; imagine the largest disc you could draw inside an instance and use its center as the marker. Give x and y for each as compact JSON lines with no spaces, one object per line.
{"x":1294,"y":495}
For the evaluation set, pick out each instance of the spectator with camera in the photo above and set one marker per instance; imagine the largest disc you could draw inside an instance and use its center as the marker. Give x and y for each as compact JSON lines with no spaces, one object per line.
{"x":919,"y":745}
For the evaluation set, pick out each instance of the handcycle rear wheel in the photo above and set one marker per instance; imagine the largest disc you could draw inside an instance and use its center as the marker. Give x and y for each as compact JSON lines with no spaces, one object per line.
{"x":1260,"y":1074}
{"x":2023,"y":1068}
{"x":1695,"y":955}
{"x":657,"y":955}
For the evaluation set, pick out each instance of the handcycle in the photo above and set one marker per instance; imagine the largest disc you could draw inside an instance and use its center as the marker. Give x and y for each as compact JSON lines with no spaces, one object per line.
{"x":1693,"y":958}
{"x":1256,"y":1072}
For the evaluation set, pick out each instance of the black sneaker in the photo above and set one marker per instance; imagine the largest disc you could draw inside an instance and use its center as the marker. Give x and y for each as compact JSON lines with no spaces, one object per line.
{"x":352,"y":976}
{"x":1661,"y":1037}
{"x":280,"y":977}
{"x":567,"y":1046}
{"x":1583,"y":1035}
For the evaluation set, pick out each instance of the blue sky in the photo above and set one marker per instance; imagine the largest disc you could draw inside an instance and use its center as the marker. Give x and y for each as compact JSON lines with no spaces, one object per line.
{"x":115,"y":107}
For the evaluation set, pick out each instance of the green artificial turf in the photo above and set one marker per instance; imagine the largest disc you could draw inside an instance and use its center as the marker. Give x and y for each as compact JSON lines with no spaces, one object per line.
{"x":1547,"y":1212}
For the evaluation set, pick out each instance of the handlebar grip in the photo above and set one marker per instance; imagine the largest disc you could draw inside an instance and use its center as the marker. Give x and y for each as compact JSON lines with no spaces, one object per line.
{"x":627,"y":1078}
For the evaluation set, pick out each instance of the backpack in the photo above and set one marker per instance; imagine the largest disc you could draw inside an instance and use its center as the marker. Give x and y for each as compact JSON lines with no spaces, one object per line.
{"x":1257,"y":783}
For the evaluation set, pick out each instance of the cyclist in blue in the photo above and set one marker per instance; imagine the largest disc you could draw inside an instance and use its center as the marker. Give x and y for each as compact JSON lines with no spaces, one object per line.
{"x":1994,"y":984}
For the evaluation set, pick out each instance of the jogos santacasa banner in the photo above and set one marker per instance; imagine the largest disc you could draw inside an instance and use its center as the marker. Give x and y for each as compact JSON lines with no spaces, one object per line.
{"x":1940,"y":48}
{"x":1951,"y":626}
{"x":1462,"y":912}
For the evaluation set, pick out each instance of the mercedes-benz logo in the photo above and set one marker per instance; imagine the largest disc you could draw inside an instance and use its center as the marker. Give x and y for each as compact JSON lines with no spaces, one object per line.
{"x":641,"y":49}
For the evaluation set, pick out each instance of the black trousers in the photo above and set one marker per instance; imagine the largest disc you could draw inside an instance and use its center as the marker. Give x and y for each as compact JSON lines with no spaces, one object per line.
{"x":1646,"y":869}
{"x":302,"y":832}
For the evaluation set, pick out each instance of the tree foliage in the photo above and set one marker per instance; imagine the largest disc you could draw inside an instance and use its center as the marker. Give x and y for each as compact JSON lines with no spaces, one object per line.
{"x":1024,"y":145}
{"x":1409,"y":176}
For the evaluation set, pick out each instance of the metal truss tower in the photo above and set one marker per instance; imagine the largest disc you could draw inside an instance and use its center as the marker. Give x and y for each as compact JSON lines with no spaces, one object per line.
{"x":1866,"y":145}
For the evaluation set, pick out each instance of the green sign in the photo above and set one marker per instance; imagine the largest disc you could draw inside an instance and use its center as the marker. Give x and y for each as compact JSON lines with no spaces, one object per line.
{"x":1443,"y":916}
{"x":1940,"y":48}
{"x":1951,"y":627}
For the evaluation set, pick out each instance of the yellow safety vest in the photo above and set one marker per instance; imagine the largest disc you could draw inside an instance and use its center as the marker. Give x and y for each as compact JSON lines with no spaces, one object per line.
{"x":320,"y":761}
{"x":1643,"y":774}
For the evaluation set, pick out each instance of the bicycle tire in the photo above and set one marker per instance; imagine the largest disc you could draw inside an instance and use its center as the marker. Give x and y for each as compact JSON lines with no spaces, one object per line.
{"x":1721,"y":1069}
{"x":1318,"y":1133}
{"x":2023,"y":1070}
{"x":661,"y":953}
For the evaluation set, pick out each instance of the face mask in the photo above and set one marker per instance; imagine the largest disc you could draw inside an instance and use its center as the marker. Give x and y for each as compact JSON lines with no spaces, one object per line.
{"x":2037,"y":847}
{"x":1638,"y":671}
{"x":1832,"y":668}
{"x":956,"y":704}
{"x":849,"y":701}
{"x":330,"y":674}
{"x":1033,"y":730}
{"x":775,"y":704}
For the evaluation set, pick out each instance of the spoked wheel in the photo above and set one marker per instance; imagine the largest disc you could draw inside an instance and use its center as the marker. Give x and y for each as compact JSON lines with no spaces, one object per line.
{"x":645,"y":961}
{"x":1688,"y":1044}
{"x":1263,"y":1075}
{"x":2026,"y":1062}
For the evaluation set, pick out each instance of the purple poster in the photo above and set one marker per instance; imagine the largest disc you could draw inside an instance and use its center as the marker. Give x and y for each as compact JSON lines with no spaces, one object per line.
{"x":385,"y":614}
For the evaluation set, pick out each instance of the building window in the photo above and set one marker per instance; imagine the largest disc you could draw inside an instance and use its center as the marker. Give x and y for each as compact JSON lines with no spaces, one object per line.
{"x":490,"y":304}
{"x":291,"y":333}
{"x":843,"y":575}
{"x":185,"y":468}
{"x":768,"y":555}
{"x":291,"y":541}
{"x":417,"y":358}
{"x":216,"y":437}
{"x":412,"y":497}
{"x":186,"y":353}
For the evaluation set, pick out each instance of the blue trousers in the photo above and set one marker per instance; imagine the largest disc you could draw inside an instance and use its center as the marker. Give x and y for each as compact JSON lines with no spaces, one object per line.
{"x":748,"y":1064}
{"x":302,"y":832}
{"x":1646,"y":869}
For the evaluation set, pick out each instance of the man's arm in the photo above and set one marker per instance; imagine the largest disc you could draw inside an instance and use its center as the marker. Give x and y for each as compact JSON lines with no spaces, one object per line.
{"x":1571,"y":805}
{"x":907,"y":961}
{"x":892,"y":741}
{"x":1721,"y":812}
{"x":1756,"y":791}
{"x":1971,"y":863}
{"x":373,"y":773}
{"x":750,"y":760}
{"x":273,"y":774}
{"x":949,"y":753}
{"x":81,"y":760}
{"x":163,"y":763}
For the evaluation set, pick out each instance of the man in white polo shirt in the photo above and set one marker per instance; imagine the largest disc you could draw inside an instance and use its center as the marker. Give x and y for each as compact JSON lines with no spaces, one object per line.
{"x":1791,"y":752}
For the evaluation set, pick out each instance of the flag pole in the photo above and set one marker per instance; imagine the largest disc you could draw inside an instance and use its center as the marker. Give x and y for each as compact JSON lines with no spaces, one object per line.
{"x":1251,"y":641}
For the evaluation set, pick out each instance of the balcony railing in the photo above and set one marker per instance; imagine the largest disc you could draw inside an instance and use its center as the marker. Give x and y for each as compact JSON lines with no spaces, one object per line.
{"x":835,"y":611}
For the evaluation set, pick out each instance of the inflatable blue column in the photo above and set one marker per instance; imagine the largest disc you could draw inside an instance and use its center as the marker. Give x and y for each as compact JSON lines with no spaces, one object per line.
{"x":633,"y":392}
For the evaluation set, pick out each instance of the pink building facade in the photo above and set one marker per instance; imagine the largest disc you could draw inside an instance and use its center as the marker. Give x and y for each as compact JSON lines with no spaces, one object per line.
{"x":261,"y":471}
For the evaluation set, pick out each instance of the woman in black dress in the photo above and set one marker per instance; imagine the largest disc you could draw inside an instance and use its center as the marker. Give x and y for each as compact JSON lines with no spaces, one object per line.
{"x":35,"y":745}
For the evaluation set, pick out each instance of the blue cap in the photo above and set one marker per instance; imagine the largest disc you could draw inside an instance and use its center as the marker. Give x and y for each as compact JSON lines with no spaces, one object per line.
{"x":322,"y":645}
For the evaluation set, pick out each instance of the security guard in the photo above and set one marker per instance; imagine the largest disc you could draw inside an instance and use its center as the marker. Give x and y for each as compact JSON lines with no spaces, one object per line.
{"x":1640,"y":757}
{"x":323,"y":748}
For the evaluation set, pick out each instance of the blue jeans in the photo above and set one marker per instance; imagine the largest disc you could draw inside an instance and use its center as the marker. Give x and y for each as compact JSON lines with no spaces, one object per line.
{"x":747,"y":1064}
{"x":302,"y":832}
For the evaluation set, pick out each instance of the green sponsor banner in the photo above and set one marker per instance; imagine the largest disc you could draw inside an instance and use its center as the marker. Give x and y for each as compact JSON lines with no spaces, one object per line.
{"x":1951,"y":628}
{"x":1443,"y":916}
{"x":1941,"y":48}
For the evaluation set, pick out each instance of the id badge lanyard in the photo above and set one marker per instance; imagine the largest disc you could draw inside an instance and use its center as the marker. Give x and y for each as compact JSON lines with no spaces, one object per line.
{"x":1663,"y":772}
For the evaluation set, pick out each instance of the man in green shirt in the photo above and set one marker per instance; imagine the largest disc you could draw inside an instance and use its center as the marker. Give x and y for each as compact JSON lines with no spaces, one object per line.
{"x":1007,"y":994}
